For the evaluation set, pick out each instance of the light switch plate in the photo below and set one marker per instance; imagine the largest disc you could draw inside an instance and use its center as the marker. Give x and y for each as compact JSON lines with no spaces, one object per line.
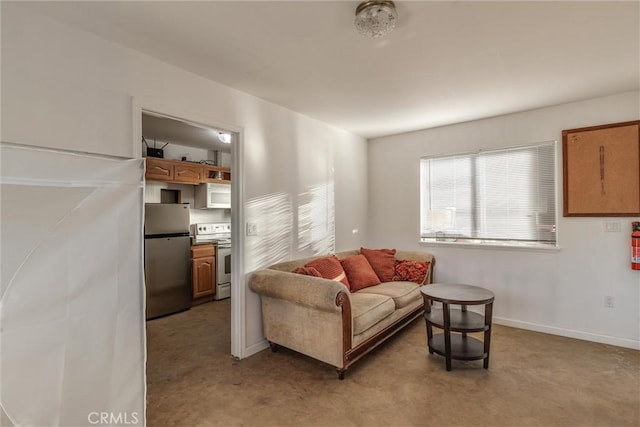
{"x":612,"y":226}
{"x":252,"y":229}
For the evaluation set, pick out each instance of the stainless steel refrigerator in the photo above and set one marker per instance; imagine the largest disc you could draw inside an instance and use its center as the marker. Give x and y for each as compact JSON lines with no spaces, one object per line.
{"x":166,"y":258}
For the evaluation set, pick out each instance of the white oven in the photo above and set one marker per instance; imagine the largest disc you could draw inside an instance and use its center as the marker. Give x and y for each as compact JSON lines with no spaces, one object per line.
{"x":220,"y":235}
{"x":223,"y":270}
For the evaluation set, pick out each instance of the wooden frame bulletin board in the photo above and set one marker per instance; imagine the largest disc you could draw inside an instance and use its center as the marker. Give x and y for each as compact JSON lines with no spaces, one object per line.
{"x":601,"y":170}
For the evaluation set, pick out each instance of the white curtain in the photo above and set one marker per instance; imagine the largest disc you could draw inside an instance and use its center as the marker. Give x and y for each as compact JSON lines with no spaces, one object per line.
{"x":72,"y":343}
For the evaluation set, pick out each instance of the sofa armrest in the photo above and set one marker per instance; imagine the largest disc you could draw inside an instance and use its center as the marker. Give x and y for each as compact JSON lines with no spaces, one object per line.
{"x":314,"y":292}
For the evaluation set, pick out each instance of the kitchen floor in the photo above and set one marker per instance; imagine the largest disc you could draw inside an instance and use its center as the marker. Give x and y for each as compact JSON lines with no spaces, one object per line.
{"x":178,"y":345}
{"x":534,"y":379}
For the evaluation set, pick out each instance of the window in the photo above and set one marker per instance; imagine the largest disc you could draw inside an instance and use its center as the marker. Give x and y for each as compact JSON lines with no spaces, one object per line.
{"x":502,"y":196}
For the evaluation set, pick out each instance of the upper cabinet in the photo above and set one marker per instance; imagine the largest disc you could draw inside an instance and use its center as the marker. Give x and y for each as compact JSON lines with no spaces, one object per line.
{"x":217,"y":174}
{"x":185,"y":172}
{"x":159,"y":170}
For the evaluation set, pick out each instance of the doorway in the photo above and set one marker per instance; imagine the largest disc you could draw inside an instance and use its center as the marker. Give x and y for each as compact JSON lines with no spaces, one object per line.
{"x":234,"y":158}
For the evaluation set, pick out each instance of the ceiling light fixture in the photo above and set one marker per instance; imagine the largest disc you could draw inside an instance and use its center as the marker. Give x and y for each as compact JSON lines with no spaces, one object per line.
{"x":224,"y":138}
{"x":376,"y":18}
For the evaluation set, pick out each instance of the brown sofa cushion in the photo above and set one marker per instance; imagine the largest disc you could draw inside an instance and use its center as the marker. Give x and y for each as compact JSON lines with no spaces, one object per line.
{"x":368,"y":309}
{"x":359,"y":272}
{"x":382,"y":261}
{"x":402,"y":293}
{"x":330,"y":268}
{"x":411,"y":271}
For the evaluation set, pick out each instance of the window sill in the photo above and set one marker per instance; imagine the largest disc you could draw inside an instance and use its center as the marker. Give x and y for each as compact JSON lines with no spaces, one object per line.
{"x":493,"y":246}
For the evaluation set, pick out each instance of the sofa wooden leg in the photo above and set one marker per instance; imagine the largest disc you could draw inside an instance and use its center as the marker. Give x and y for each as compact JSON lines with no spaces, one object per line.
{"x":340,"y":373}
{"x":274,"y":347}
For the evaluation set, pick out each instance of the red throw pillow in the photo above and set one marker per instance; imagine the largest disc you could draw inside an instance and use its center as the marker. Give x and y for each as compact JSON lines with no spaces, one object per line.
{"x":330,"y":268}
{"x":359,"y":272}
{"x":383,"y":262}
{"x":307,"y":271}
{"x":411,"y":271}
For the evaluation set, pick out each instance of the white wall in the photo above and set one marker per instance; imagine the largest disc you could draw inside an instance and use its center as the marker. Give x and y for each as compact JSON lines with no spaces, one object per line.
{"x":176,"y":152}
{"x":68,"y":89}
{"x":557,"y":292}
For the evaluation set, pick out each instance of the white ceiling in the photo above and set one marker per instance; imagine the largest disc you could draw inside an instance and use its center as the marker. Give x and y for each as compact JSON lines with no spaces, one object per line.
{"x":446,"y":62}
{"x":158,"y":129}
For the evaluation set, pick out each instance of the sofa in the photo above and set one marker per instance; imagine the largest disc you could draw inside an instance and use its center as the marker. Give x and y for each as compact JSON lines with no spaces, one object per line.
{"x":325,"y":319}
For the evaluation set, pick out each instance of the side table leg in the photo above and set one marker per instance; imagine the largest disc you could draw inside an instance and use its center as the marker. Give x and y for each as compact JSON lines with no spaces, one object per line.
{"x":463,"y":309}
{"x":446,"y":315}
{"x":488,"y":313}
{"x":427,"y":311}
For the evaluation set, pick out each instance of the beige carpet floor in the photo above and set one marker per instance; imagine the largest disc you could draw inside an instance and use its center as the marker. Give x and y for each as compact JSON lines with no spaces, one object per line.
{"x":534,"y":379}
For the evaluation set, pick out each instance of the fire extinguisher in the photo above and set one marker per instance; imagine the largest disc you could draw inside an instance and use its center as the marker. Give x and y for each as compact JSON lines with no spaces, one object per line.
{"x":635,"y":245}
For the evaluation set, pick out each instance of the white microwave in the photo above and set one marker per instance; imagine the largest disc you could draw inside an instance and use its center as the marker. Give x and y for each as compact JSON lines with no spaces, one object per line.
{"x":213,"y":196}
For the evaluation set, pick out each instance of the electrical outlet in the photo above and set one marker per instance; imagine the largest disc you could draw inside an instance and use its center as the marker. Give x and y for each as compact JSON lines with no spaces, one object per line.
{"x":252,"y":229}
{"x":612,"y":226}
{"x":608,"y":301}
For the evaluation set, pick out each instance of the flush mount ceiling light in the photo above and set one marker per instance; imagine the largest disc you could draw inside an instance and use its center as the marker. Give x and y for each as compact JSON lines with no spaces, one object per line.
{"x":376,"y":18}
{"x":224,"y":138}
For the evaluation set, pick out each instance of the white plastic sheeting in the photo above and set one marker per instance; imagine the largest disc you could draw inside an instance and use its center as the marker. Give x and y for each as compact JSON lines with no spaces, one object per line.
{"x":72,"y":343}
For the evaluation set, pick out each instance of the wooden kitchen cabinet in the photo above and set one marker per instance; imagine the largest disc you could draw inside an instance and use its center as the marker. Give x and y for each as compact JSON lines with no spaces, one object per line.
{"x":216,"y":174}
{"x":159,"y":169}
{"x":185,"y":172}
{"x":203,"y":265}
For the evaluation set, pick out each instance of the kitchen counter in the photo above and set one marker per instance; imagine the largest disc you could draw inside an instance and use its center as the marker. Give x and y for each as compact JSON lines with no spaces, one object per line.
{"x":194,"y":243}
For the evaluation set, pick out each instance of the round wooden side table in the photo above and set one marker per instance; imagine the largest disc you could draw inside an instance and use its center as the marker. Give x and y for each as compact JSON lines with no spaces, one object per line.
{"x":458,"y":345}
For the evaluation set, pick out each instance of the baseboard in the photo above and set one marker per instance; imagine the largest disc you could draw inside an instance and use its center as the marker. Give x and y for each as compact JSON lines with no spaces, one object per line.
{"x":587,"y":336}
{"x":255,"y":348}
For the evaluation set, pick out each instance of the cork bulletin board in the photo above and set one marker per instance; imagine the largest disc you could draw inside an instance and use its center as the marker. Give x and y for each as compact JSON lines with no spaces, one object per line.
{"x":601,"y":170}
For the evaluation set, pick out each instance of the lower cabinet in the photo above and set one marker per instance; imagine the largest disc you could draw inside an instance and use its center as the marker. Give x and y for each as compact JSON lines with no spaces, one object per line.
{"x":203,"y":266}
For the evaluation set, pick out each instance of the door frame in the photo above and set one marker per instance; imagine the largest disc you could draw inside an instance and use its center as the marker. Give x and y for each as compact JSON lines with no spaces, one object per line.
{"x":238,"y":292}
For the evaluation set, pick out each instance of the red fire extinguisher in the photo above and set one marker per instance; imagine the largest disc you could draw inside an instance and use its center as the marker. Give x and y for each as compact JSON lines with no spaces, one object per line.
{"x":635,"y":245}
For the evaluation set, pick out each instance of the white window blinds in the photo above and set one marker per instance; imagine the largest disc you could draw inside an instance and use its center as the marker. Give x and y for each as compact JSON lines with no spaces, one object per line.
{"x":499,"y":196}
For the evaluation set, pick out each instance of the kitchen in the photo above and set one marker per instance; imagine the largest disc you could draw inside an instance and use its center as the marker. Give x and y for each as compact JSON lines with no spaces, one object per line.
{"x":187,"y":214}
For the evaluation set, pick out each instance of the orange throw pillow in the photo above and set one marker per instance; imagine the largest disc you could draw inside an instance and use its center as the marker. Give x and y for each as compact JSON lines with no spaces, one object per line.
{"x":411,"y":271}
{"x":359,"y":272}
{"x":330,"y":268}
{"x":383,"y":262}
